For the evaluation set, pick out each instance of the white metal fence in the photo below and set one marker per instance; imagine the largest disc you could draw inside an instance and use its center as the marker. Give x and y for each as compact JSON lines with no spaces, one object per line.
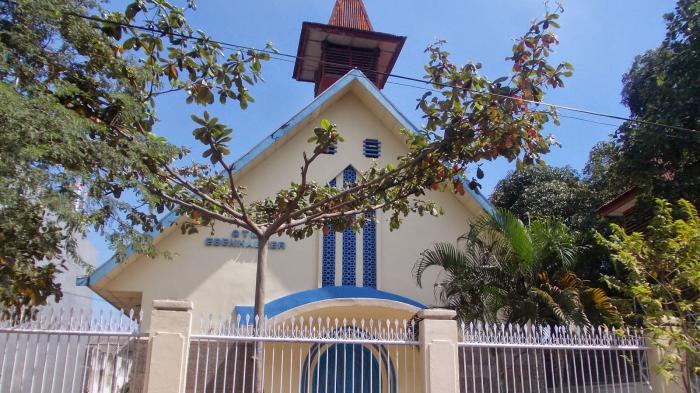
{"x":497,"y":358}
{"x":315,"y":355}
{"x":71,"y":352}
{"x":77,"y":353}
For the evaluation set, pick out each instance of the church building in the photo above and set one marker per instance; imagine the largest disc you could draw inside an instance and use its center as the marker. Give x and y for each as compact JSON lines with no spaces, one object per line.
{"x":366,"y":274}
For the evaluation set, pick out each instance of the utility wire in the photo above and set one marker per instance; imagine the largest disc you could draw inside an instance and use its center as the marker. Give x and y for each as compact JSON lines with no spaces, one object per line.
{"x":558,"y":114}
{"x":397,"y":76}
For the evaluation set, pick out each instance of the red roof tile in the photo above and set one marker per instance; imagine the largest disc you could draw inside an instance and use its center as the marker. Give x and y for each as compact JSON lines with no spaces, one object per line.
{"x":351,"y":14}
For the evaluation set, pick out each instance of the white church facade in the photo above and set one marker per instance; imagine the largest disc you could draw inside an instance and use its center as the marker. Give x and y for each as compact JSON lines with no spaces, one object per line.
{"x":366,"y":274}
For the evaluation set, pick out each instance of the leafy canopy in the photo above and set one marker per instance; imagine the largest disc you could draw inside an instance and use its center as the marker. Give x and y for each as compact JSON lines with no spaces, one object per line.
{"x":663,"y":85}
{"x":77,"y":105}
{"x":546,"y":191}
{"x":663,"y":278}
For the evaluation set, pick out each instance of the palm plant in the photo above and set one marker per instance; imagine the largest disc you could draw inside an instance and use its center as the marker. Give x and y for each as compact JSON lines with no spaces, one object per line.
{"x":505,"y":271}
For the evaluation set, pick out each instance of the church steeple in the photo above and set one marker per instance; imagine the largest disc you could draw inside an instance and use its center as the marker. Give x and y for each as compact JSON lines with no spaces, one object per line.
{"x":351,"y":14}
{"x":327,"y":52}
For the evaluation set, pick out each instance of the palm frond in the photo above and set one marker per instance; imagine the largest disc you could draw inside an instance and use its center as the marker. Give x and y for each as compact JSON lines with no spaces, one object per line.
{"x":442,"y":255}
{"x":502,"y":224}
{"x":555,"y":245}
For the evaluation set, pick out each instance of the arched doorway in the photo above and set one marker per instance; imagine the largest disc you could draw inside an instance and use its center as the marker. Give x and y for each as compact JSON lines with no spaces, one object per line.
{"x":348,"y":368}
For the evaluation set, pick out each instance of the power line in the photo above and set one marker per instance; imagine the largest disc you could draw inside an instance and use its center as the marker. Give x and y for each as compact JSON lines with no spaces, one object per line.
{"x":558,"y":115}
{"x":397,"y":76}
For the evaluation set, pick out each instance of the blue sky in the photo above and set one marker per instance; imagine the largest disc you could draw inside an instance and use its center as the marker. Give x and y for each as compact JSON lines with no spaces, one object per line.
{"x":599,"y":37}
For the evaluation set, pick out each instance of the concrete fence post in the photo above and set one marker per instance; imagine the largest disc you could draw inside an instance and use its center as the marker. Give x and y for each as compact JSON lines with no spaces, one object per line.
{"x":438,"y":338}
{"x":657,"y":382}
{"x":168,"y":346}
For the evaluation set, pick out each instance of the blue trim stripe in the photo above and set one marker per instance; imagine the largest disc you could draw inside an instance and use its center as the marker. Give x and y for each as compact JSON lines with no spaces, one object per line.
{"x":340,"y":85}
{"x":299,"y":299}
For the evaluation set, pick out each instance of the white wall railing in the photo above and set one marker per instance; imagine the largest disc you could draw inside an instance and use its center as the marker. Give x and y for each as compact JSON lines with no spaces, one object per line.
{"x":70,"y":352}
{"x":511,"y":358}
{"x":315,"y":355}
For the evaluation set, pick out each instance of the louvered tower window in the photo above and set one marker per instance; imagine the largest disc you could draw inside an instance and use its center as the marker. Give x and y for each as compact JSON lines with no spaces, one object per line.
{"x":338,"y":60}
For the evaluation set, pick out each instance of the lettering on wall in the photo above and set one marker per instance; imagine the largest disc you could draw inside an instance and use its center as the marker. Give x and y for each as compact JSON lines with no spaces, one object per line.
{"x":241,"y":239}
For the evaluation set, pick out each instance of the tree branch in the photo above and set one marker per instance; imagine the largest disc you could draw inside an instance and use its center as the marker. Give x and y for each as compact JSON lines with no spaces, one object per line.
{"x":321,"y":216}
{"x":203,"y":210}
{"x":418,"y":158}
{"x":236,"y":195}
{"x":274,"y":227}
{"x":179,"y":180}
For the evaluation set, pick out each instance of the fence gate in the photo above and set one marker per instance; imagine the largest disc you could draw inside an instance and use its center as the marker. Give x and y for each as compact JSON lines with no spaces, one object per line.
{"x":71,"y":352}
{"x":305,"y":356}
{"x":496,"y":358}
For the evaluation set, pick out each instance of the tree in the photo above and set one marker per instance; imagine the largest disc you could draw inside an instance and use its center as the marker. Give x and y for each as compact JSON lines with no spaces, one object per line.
{"x":77,"y":105}
{"x":562,"y":193}
{"x":663,"y":85}
{"x":602,"y":180}
{"x":505,"y":271}
{"x":467,"y":122}
{"x":547,"y":191}
{"x":663,"y":278}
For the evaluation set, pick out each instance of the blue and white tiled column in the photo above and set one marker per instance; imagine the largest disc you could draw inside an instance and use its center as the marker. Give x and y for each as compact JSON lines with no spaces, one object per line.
{"x":328,"y":257}
{"x":369,"y":252}
{"x":348,"y":249}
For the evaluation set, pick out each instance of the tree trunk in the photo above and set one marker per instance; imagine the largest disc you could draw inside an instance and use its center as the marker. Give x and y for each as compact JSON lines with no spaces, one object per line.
{"x":259,"y":311}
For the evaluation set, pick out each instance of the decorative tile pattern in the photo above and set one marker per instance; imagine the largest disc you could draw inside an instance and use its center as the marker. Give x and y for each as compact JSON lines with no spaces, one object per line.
{"x":349,"y":237}
{"x":369,"y":252}
{"x":349,"y":256}
{"x":328,"y":257}
{"x":372,"y":148}
{"x":349,"y":176}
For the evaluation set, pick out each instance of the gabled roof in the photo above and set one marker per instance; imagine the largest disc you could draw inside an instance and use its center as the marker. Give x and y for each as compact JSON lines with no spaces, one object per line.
{"x":351,"y":14}
{"x":354,"y":77}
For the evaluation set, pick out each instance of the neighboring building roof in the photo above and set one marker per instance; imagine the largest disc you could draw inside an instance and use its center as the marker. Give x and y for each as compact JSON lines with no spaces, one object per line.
{"x":352,"y":77}
{"x":620,"y":205}
{"x":351,"y":14}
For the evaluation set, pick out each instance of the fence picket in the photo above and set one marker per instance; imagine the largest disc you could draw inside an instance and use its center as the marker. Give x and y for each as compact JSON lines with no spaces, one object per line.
{"x":69,"y":352}
{"x":558,"y":357}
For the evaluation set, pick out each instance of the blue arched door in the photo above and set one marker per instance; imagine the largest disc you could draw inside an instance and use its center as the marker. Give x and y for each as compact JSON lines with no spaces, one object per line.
{"x":350,"y":368}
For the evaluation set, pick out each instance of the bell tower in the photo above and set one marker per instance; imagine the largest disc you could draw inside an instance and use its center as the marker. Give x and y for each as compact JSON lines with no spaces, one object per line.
{"x":329,"y":51}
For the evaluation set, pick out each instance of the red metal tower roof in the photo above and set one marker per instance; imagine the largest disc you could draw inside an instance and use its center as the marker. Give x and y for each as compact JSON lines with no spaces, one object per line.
{"x":351,"y":14}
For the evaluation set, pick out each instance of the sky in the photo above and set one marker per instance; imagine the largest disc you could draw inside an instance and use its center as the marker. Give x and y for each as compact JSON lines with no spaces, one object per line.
{"x":599,"y":37}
